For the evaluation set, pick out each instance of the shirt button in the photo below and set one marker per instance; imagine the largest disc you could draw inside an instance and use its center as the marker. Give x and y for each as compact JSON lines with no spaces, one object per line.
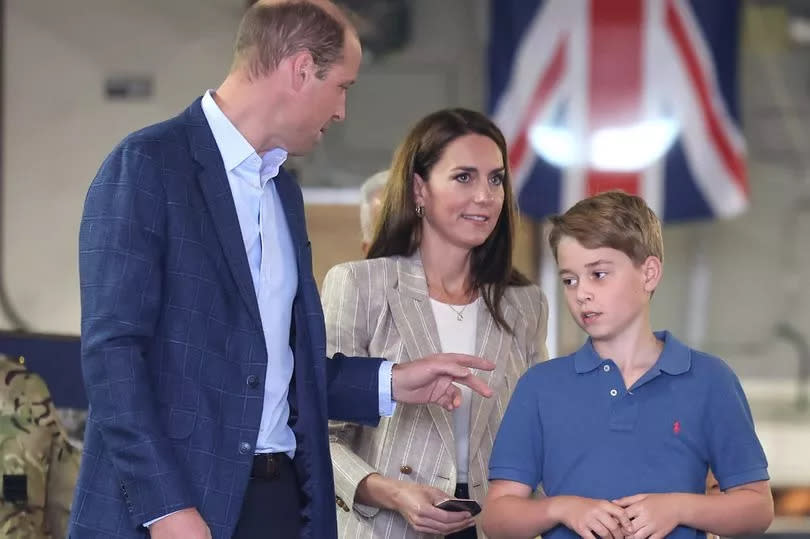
{"x":606,"y":368}
{"x":253,"y":381}
{"x":405,"y":469}
{"x":613,"y":392}
{"x":244,"y":448}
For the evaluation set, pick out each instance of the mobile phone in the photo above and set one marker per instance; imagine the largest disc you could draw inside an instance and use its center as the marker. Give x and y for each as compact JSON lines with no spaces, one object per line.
{"x":456,"y":504}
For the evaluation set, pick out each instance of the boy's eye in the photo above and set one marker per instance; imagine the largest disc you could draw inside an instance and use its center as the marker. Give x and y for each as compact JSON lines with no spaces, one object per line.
{"x":600,"y":274}
{"x":569,"y":281}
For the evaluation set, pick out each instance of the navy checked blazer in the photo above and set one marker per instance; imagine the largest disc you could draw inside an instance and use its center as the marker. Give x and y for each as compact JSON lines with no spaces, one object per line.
{"x":173,"y":354}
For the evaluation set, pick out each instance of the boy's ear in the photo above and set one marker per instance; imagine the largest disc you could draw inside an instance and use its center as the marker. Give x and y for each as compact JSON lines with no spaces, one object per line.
{"x":652,"y":269}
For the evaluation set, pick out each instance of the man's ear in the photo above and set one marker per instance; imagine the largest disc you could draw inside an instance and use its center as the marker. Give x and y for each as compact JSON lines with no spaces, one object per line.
{"x":652,"y":270}
{"x":301,"y":69}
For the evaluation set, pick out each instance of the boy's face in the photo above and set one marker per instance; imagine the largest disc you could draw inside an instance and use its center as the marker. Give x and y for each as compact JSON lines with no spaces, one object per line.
{"x":605,"y":291}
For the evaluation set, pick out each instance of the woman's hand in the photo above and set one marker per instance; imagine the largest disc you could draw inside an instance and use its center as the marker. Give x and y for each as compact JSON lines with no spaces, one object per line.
{"x":416,"y":503}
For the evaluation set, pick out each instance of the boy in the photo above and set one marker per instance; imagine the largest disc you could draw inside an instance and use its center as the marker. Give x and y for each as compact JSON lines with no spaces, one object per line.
{"x":622,"y":432}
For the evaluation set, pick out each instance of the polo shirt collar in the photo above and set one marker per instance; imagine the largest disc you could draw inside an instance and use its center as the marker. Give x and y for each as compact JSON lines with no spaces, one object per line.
{"x":676,"y":357}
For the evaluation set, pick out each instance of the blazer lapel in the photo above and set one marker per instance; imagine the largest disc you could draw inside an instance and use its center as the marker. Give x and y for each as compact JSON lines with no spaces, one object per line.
{"x":493,"y":344}
{"x":217,"y":193}
{"x":413,"y":316}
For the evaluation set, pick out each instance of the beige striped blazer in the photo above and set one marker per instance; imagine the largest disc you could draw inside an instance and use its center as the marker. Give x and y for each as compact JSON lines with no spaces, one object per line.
{"x":380,"y":308}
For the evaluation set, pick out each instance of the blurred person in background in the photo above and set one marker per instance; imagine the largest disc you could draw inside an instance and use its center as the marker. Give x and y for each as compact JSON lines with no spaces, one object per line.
{"x":39,"y":465}
{"x":438,"y":278}
{"x":371,"y":193}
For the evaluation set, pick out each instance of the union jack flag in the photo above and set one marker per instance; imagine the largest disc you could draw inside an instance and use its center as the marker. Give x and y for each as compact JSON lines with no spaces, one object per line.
{"x":638,"y":95}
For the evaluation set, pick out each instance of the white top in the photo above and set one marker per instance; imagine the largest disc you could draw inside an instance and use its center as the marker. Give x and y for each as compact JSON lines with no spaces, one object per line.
{"x":458,"y":337}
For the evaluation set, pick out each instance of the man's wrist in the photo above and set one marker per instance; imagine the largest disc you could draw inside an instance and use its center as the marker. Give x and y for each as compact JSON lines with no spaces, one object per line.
{"x":148,"y":524}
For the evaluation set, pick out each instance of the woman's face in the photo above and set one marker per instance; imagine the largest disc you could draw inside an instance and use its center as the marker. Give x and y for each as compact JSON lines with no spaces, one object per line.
{"x":463,"y":195}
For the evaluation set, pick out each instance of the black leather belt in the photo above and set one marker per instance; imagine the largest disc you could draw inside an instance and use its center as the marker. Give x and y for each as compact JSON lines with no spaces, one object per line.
{"x":268,"y":465}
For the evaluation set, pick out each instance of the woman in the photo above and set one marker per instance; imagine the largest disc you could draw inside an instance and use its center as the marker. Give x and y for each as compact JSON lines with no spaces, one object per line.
{"x":438,"y":278}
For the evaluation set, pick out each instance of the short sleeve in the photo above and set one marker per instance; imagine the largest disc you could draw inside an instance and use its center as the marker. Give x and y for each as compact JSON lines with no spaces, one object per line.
{"x":735,"y":453}
{"x":517,"y":454}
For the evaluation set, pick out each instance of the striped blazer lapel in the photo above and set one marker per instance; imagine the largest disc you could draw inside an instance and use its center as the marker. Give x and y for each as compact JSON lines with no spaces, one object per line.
{"x":495,"y":345}
{"x":413,"y":317}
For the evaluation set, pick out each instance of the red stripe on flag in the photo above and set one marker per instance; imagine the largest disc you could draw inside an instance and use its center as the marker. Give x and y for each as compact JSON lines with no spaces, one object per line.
{"x":600,"y":181}
{"x":615,"y":79}
{"x":548,"y":81}
{"x":733,"y":160}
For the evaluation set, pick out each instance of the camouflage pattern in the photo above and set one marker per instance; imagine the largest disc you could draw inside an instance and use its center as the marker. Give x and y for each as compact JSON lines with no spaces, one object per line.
{"x":33,"y":444}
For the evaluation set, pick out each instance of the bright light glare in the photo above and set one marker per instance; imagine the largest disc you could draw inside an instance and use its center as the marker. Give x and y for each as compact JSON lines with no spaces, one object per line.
{"x":631,"y":148}
{"x":556,"y":145}
{"x":614,"y":149}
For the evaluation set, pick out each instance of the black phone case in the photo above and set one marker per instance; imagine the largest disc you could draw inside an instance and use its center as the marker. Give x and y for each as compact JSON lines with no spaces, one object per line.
{"x":460,"y":505}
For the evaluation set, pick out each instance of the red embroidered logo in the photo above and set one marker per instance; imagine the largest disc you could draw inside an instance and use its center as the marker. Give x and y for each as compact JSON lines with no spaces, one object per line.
{"x":676,"y":427}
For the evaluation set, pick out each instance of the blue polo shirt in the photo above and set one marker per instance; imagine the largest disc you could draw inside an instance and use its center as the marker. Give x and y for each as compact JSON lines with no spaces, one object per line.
{"x":573,"y":427}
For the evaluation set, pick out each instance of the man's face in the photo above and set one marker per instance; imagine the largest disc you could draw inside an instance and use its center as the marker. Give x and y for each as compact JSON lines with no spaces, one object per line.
{"x":320,"y":102}
{"x":375,"y":205}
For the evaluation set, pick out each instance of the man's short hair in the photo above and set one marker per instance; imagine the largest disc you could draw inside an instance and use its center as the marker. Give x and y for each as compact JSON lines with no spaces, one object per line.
{"x":371,"y":188}
{"x":612,"y":219}
{"x":272,"y":31}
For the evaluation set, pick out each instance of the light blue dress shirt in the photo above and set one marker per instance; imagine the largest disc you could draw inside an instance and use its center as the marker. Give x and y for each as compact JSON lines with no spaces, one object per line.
{"x":272,"y":266}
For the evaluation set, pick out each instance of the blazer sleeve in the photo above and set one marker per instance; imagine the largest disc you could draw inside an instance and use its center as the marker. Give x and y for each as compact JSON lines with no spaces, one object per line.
{"x":122,"y":241}
{"x":537,"y":350}
{"x":346,"y":306}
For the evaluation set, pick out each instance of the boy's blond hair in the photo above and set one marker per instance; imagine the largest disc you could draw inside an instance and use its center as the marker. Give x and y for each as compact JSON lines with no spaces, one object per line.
{"x":611,"y":219}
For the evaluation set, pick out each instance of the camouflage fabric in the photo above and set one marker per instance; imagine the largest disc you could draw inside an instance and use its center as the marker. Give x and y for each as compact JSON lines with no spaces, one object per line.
{"x":39,"y":465}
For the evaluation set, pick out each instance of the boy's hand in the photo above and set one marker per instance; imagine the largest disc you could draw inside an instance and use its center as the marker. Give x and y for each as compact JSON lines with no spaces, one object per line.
{"x":653,"y":515}
{"x":593,"y":518}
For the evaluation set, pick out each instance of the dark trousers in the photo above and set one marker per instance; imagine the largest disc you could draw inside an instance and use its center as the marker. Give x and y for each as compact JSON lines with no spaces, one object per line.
{"x":272,"y":505}
{"x":463,"y":493}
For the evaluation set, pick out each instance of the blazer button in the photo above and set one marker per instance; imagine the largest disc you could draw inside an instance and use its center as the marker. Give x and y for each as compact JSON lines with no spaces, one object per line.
{"x":405,"y":469}
{"x":253,"y":381}
{"x":340,"y":503}
{"x":244,"y":448}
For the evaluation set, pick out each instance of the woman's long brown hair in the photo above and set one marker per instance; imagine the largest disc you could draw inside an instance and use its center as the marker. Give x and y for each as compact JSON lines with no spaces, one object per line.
{"x":399,"y":230}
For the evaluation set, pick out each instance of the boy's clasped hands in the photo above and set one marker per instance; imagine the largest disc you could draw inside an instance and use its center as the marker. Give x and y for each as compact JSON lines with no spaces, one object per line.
{"x":640,"y":516}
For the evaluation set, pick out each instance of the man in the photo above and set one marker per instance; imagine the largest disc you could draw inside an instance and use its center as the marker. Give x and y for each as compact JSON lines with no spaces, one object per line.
{"x":203,"y":346}
{"x":39,"y":465}
{"x":371,"y":193}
